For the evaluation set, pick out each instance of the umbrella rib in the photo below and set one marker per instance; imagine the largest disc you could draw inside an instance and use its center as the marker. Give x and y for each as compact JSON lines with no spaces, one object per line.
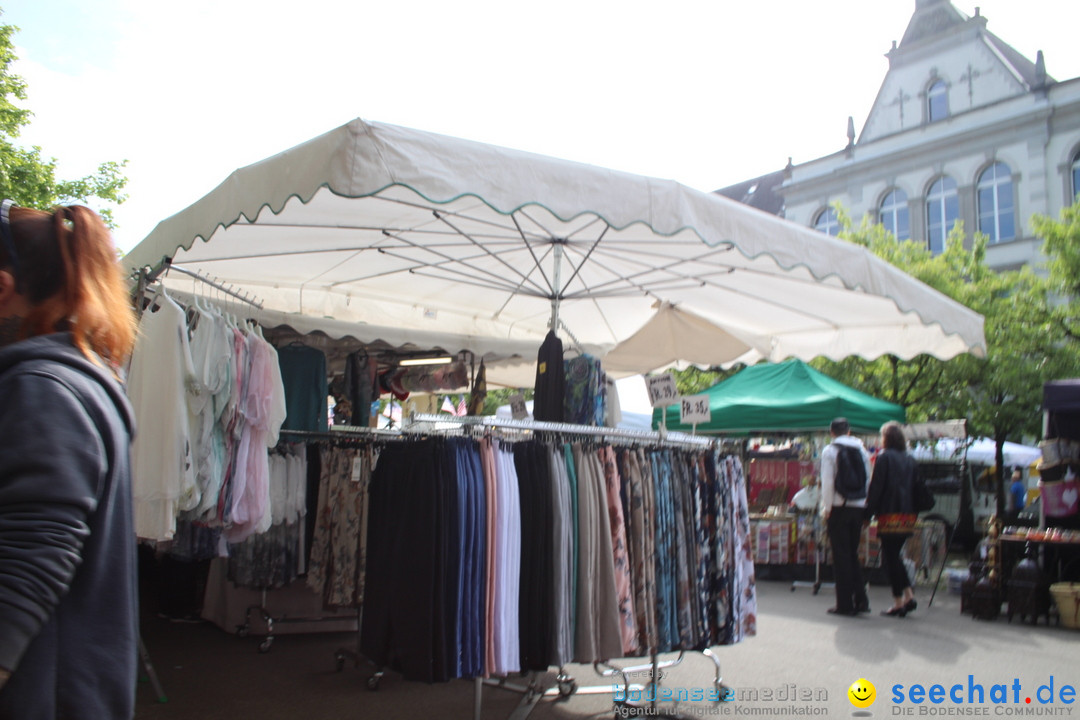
{"x":546,"y":233}
{"x":536,"y":260}
{"x":629,"y":291}
{"x":450,"y":212}
{"x":452,"y":260}
{"x":467,"y":280}
{"x":524,"y":278}
{"x":413,"y":264}
{"x":669,"y":274}
{"x":585,"y":259}
{"x":509,"y":243}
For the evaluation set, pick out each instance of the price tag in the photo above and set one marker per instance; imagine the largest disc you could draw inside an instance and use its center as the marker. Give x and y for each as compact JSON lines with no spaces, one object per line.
{"x":662,"y":390}
{"x":518,"y":410}
{"x":357,"y":468}
{"x":694,"y":409}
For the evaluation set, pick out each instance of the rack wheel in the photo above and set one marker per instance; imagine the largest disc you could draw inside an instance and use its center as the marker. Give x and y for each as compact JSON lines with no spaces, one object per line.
{"x":373,"y":683}
{"x":339,"y":661}
{"x":817,"y":586}
{"x":242,"y":631}
{"x":264,"y":646}
{"x":567,"y":688}
{"x":792,"y":588}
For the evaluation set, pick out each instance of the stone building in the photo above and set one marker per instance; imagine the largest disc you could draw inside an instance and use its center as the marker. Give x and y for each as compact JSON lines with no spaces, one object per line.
{"x":963,"y":127}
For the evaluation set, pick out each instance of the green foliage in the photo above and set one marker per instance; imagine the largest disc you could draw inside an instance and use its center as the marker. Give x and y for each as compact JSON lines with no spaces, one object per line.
{"x":694,"y":380}
{"x":1029,"y":336}
{"x":1061,"y":246}
{"x":29,"y":178}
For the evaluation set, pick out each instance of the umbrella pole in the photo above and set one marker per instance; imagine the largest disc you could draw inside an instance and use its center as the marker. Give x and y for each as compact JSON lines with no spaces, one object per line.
{"x":556,"y":290}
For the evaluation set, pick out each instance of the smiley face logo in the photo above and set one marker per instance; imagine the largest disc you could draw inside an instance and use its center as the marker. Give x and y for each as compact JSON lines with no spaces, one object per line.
{"x":862,"y":693}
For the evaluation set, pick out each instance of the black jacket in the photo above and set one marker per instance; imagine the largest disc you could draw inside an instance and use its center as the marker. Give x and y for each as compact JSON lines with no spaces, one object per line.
{"x":891,"y":484}
{"x":68,"y":607}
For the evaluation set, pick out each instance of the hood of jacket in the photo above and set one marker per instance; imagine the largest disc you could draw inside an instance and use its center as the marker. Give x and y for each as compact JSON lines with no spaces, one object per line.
{"x":60,"y":348}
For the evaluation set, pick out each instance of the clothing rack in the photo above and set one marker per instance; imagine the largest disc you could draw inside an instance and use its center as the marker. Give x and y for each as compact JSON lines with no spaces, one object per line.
{"x":344,"y":432}
{"x":218,"y":286}
{"x":269,"y":620}
{"x":663,"y":437}
{"x":532,"y":691}
{"x":260,"y":610}
{"x":147,"y":276}
{"x":565,"y":685}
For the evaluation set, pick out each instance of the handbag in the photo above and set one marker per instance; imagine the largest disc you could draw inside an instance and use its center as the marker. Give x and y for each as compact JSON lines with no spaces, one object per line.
{"x":921,"y":495}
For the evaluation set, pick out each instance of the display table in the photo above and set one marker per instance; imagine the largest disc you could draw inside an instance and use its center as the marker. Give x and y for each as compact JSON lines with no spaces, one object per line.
{"x":1057,"y":557}
{"x":794,"y":540}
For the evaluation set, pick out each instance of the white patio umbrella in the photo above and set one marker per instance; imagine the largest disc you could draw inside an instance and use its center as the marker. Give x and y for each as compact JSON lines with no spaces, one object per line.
{"x":391,"y":231}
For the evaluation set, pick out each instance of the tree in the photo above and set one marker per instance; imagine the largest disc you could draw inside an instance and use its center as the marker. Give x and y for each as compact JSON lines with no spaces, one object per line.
{"x":922,"y":385}
{"x":1061,"y":246}
{"x":999,"y":394}
{"x":26,"y":176}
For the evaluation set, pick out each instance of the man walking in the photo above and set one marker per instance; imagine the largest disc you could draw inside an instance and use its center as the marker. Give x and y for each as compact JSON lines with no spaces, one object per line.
{"x":845,"y":473}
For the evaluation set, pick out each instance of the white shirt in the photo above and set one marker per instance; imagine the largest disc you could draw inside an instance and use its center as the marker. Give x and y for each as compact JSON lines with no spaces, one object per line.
{"x":159,"y":381}
{"x":829,"y":497}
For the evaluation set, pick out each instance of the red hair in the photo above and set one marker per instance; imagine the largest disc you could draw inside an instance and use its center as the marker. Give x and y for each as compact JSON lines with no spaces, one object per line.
{"x":70,"y":273}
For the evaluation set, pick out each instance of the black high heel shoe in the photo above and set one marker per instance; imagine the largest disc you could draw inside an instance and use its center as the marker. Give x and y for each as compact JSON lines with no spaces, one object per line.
{"x":910,"y":605}
{"x":895,"y":611}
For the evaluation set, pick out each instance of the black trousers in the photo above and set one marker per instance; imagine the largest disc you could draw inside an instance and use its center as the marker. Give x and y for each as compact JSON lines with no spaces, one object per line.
{"x":845,"y":529}
{"x":891,"y":548}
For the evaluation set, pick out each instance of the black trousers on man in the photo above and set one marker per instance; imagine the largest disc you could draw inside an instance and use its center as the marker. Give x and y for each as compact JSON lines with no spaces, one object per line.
{"x":845,"y":530}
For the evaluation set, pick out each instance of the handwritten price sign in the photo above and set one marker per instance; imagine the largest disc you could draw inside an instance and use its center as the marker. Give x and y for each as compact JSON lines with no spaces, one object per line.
{"x":694,"y":409}
{"x":662,"y":390}
{"x":518,"y":409}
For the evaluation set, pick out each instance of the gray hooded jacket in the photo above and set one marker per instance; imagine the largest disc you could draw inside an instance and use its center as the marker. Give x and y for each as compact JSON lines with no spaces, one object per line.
{"x":68,"y":603}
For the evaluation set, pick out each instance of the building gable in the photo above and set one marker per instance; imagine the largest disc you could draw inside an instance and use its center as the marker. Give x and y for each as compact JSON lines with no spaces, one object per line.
{"x":974,"y":67}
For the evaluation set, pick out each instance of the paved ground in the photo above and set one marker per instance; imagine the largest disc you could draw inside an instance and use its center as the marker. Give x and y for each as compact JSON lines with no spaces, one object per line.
{"x":800,"y":652}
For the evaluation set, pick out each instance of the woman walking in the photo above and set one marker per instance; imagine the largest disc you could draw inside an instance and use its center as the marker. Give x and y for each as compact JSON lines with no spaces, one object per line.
{"x":891,"y":500}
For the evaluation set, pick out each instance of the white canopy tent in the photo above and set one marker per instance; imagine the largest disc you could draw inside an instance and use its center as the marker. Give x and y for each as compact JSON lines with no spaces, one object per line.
{"x":385,"y":233}
{"x":981,"y":451}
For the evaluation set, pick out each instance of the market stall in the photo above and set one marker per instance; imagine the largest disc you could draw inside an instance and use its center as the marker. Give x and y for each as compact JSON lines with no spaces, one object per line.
{"x":791,"y":399}
{"x":785,"y":398}
{"x":375,"y":244}
{"x":1060,"y":466}
{"x":782,"y":400}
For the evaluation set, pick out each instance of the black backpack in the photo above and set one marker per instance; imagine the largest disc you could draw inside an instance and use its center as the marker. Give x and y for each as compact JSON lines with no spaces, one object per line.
{"x":850,"y":472}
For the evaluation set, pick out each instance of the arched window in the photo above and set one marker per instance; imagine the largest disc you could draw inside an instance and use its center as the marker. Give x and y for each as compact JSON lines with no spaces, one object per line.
{"x":827,"y":222}
{"x":942,"y":210}
{"x":893,"y":214}
{"x":997,"y":217}
{"x":1075,"y":176}
{"x":937,"y":101}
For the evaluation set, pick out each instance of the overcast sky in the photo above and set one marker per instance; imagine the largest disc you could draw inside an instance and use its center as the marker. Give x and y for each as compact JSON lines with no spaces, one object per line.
{"x":708,"y":92}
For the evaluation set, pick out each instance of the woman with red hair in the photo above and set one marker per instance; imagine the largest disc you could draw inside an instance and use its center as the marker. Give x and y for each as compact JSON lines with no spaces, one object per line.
{"x":68,"y":607}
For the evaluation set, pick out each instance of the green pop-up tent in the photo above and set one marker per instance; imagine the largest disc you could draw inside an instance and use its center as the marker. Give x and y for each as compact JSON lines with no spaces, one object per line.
{"x":785,"y":397}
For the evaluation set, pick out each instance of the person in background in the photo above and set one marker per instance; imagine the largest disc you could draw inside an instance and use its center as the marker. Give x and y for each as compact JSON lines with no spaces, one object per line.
{"x":891,"y":500}
{"x":843,"y":519}
{"x":807,"y":499}
{"x":1017,"y":493}
{"x":68,"y":602}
